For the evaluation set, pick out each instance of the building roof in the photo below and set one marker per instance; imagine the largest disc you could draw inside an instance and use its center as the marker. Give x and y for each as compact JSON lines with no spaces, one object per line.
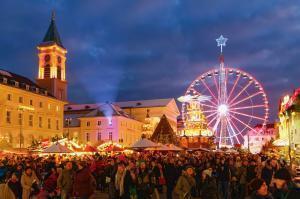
{"x":77,"y":111}
{"x":21,"y":82}
{"x":126,"y":104}
{"x":52,"y":35}
{"x":144,"y":103}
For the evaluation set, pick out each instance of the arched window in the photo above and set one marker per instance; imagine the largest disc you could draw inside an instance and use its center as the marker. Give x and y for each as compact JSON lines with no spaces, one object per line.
{"x":47,"y":71}
{"x":58,"y":72}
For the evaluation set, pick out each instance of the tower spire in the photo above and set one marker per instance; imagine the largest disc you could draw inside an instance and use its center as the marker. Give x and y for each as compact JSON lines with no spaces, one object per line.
{"x":52,"y":35}
{"x":53,"y":15}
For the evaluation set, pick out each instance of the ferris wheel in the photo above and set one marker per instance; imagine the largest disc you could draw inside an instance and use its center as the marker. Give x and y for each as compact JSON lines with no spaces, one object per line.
{"x":237,"y":102}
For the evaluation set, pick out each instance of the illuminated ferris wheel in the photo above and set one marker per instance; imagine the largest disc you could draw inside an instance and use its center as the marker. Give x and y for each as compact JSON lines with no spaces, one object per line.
{"x":237,"y":102}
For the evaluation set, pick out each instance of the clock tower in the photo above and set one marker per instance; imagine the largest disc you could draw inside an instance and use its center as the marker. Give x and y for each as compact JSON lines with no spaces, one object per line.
{"x":52,"y":63}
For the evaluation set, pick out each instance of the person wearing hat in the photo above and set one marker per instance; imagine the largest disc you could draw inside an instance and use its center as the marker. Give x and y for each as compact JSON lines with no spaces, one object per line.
{"x":282,"y":181}
{"x":185,"y":184}
{"x":84,"y":183}
{"x":208,"y":185}
{"x":259,"y":189}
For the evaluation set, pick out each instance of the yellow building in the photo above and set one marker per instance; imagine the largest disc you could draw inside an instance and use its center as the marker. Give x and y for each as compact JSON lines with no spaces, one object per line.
{"x":32,"y":111}
{"x":155,"y":109}
{"x":289,"y":117}
{"x":97,"y":123}
{"x":27,"y":111}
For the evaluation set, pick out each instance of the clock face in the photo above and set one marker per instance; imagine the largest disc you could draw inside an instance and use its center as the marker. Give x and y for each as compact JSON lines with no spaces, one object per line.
{"x":47,"y":58}
{"x":59,"y":59}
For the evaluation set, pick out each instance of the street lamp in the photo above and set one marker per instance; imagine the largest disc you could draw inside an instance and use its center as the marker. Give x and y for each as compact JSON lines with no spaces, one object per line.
{"x":68,"y":120}
{"x":21,"y":122}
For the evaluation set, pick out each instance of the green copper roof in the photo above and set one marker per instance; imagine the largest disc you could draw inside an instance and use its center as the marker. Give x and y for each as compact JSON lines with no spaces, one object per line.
{"x":52,"y":35}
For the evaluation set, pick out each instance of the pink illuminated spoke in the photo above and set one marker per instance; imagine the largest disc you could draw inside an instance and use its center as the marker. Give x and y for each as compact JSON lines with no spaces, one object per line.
{"x":248,"y":107}
{"x":214,"y":118}
{"x":243,"y":123}
{"x":235,"y":134}
{"x":247,"y":115}
{"x":209,"y":90}
{"x":209,"y":111}
{"x":202,"y":104}
{"x":249,"y":97}
{"x":216,"y":124}
{"x":217,"y":87}
{"x":233,"y":88}
{"x":230,"y":136}
{"x":212,"y":114}
{"x":240,"y":92}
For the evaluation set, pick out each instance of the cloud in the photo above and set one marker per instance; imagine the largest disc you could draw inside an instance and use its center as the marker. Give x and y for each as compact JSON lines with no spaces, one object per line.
{"x":140,"y":49}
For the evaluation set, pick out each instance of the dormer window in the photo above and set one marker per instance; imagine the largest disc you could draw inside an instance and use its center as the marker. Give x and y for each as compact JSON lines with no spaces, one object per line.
{"x":4,"y":80}
{"x":27,"y":87}
{"x":16,"y":84}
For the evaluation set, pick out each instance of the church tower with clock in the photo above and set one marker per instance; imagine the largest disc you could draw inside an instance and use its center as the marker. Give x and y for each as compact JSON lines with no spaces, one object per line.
{"x":52,"y":63}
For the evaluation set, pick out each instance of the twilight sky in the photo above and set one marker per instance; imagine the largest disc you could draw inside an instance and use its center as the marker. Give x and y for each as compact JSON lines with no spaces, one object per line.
{"x":145,"y":49}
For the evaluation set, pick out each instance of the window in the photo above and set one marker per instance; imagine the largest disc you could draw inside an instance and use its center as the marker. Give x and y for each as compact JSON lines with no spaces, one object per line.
{"x":110,"y":122}
{"x":49,"y":106}
{"x":31,"y":103}
{"x":20,"y":118}
{"x":57,"y":108}
{"x":57,"y":125}
{"x":40,"y":122}
{"x":87,"y":137}
{"x":88,"y":123}
{"x":30,"y":120}
{"x":20,"y":99}
{"x":8,"y":117}
{"x":99,"y":136}
{"x":49,"y":123}
{"x":9,"y":97}
{"x":110,"y":135}
{"x":41,"y":104}
{"x":99,"y":123}
{"x":47,"y":71}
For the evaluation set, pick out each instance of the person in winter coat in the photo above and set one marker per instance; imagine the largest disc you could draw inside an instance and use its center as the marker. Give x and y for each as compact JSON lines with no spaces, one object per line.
{"x":208,"y":185}
{"x":259,"y":189}
{"x":224,"y":176}
{"x":3,"y":171}
{"x":267,"y":172}
{"x":65,"y":181}
{"x":15,"y":186}
{"x":294,"y":190}
{"x":50,"y":182}
{"x":84,"y":183}
{"x":185,"y":184}
{"x":124,"y":181}
{"x":282,"y":180}
{"x":171,"y":177}
{"x":27,"y":180}
{"x":144,"y":189}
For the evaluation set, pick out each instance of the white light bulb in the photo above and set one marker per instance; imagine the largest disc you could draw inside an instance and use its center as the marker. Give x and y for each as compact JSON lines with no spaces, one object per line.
{"x":223,"y":109}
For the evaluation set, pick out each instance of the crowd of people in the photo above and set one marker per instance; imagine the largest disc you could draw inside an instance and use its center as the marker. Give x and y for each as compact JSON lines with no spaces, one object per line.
{"x":148,"y":175}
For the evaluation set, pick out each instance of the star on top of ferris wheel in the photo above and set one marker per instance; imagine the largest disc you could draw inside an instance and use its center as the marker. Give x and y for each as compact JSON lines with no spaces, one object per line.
{"x":221,"y":42}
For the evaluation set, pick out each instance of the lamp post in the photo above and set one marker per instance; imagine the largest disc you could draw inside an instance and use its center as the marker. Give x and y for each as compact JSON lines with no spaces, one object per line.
{"x":248,"y":141}
{"x":68,"y":120}
{"x":21,"y":123}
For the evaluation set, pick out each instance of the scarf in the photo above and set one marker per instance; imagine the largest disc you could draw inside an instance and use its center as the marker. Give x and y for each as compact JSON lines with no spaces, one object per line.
{"x":119,"y":182}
